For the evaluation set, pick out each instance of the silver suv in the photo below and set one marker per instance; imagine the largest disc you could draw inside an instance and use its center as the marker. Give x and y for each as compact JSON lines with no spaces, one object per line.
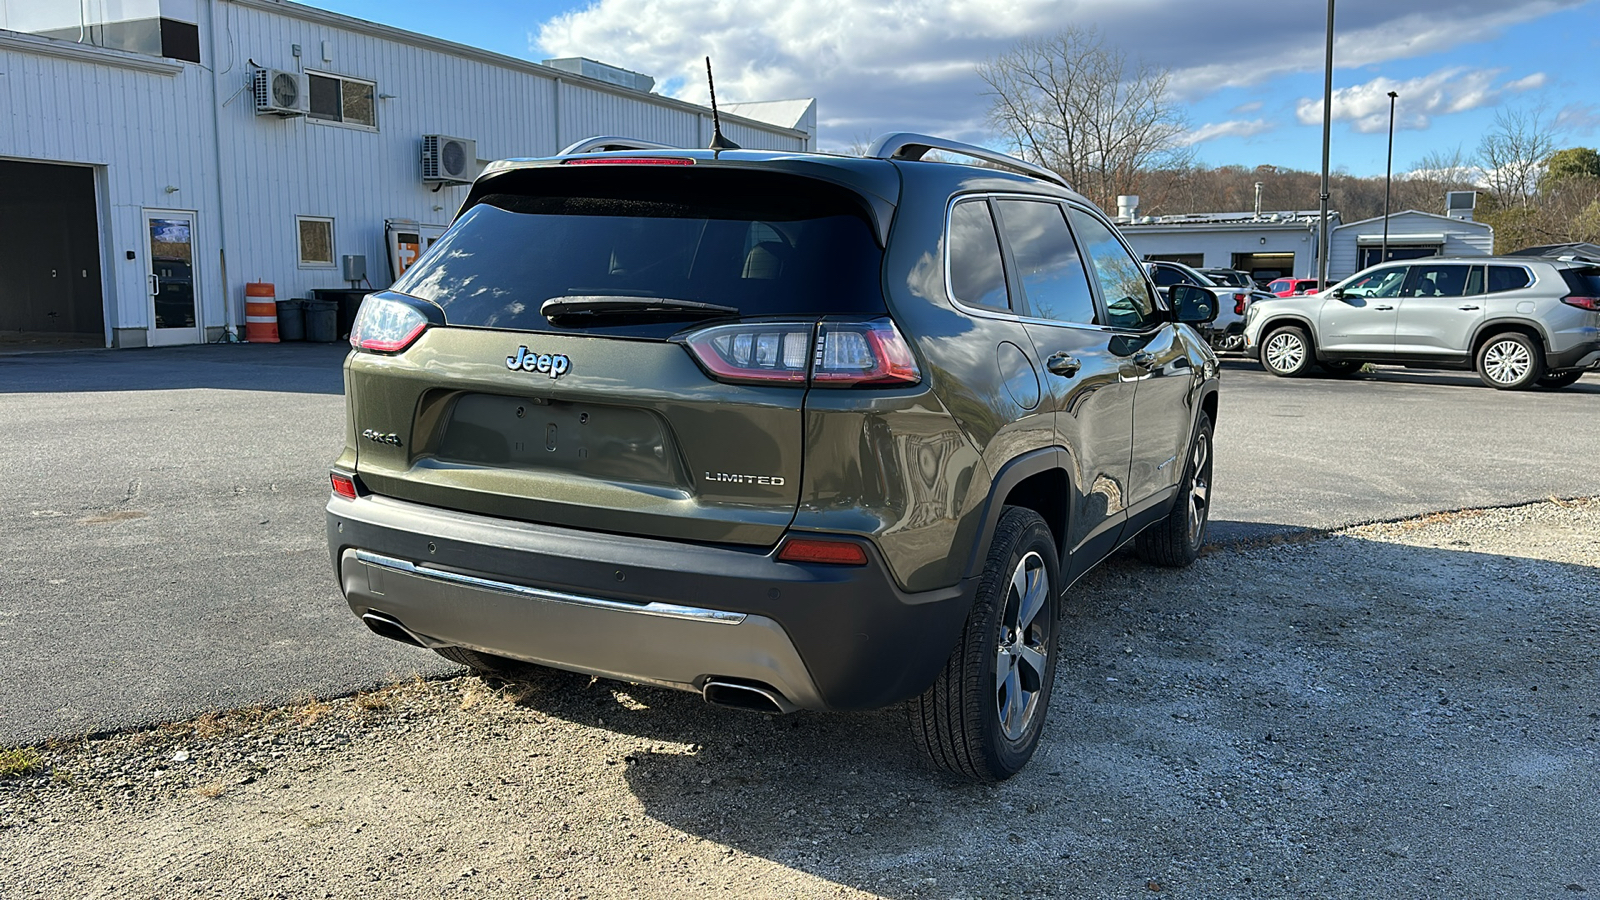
{"x":1518,"y":321}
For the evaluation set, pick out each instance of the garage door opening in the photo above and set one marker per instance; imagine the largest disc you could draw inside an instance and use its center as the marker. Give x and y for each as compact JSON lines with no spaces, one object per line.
{"x":1264,"y":267}
{"x":50,"y":254}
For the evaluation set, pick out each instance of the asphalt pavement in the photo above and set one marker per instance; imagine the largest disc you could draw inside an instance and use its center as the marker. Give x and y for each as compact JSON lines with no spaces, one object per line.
{"x":162,"y":512}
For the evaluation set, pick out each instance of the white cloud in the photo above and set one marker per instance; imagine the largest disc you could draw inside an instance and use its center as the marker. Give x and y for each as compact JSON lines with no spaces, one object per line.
{"x":876,"y":65}
{"x":1578,"y":118}
{"x":1230,"y":128}
{"x":1452,"y":90}
{"x":1245,"y":109}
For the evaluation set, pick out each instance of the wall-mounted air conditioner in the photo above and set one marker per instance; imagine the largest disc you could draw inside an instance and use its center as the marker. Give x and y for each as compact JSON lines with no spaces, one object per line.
{"x":448,"y":160}
{"x":278,"y":93}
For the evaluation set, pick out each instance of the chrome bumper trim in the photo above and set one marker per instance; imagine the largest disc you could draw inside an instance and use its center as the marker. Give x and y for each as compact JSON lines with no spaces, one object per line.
{"x":662,"y":610}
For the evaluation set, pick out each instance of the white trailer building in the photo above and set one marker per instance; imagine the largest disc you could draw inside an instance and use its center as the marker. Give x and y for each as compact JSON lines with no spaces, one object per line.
{"x":157,"y":155}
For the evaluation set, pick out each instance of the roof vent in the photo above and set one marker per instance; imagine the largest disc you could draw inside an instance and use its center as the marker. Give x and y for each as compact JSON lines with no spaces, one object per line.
{"x":599,"y":71}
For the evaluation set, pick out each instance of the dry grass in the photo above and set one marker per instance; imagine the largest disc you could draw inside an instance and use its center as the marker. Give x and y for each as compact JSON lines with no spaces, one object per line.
{"x":20,"y":761}
{"x":212,"y":790}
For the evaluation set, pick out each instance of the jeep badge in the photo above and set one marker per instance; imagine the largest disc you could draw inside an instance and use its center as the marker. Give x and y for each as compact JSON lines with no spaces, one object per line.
{"x":554,"y":366}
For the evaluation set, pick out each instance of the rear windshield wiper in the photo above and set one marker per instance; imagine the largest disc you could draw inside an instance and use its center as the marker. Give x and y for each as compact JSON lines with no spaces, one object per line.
{"x":619,"y":307}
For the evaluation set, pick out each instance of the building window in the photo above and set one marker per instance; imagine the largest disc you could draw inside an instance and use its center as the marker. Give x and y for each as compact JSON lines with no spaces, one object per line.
{"x":316,"y":242}
{"x":344,"y":100}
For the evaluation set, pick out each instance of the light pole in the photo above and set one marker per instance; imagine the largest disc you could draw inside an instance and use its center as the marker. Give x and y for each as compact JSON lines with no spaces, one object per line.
{"x":1388,"y":173}
{"x":1327,"y":128}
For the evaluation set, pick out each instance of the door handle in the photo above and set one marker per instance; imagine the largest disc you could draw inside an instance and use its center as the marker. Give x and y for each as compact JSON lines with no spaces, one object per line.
{"x":155,"y":284}
{"x":1385,"y":306}
{"x":1468,"y":306}
{"x":1063,"y":364}
{"x":1144,"y":359}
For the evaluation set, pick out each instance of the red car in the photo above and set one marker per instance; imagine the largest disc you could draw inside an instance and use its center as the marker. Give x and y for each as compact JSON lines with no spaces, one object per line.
{"x":1291,"y":287}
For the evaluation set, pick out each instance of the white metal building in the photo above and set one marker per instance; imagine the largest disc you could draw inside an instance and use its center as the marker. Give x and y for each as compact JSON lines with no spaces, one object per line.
{"x":1412,"y":234}
{"x":1267,"y":245}
{"x":145,"y":179}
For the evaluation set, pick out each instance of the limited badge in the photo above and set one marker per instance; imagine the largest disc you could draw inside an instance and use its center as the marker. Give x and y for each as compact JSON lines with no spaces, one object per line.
{"x":555,"y":365}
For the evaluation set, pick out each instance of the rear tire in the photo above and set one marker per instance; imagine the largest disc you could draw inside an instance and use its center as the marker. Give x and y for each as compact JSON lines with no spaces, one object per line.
{"x":1555,"y":381}
{"x":1286,"y":352}
{"x":1176,"y":540}
{"x":982,"y":717}
{"x":1510,"y":361}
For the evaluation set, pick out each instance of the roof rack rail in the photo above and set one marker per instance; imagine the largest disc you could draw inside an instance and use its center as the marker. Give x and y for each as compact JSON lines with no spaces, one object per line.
{"x":1577,"y":257}
{"x":609,"y":142}
{"x":910,"y":146}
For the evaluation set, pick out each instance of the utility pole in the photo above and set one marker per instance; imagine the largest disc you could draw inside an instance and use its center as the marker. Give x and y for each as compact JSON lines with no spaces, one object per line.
{"x":1388,"y":173}
{"x":1327,"y":128}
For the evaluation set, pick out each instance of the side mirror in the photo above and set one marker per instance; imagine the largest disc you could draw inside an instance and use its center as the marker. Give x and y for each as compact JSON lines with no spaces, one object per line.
{"x":1192,"y":305}
{"x":1336,"y":293}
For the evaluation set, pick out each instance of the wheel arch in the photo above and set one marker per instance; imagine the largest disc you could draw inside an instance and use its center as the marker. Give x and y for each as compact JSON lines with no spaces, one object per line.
{"x":1500,"y":326}
{"x":1037,"y":480}
{"x":1281,"y":319}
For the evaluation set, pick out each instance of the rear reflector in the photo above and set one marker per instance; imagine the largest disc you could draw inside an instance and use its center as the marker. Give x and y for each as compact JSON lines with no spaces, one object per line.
{"x":812,"y":550}
{"x":343,"y":485}
{"x":630,"y":161}
{"x":1591,"y":303}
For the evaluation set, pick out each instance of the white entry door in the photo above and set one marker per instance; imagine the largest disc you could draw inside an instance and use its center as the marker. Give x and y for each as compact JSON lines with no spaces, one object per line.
{"x":172,"y":279}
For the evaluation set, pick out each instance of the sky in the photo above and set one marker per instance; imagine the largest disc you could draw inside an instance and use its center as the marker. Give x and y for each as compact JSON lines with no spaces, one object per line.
{"x":1248,"y":73}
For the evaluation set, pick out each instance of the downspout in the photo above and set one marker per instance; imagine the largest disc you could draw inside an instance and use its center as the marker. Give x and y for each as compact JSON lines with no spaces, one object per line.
{"x":231,"y":332}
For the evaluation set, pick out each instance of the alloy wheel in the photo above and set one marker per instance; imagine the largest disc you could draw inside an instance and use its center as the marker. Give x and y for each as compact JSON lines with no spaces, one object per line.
{"x":1023,"y":650}
{"x":1285,"y":352}
{"x":1200,"y":486}
{"x":1507,"y":362}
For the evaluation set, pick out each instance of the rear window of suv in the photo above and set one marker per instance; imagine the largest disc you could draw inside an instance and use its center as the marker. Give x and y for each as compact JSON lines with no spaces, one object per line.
{"x":768,"y":244}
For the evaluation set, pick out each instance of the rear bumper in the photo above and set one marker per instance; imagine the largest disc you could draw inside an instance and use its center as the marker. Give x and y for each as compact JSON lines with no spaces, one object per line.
{"x":644,"y":610}
{"x":1580,"y":356}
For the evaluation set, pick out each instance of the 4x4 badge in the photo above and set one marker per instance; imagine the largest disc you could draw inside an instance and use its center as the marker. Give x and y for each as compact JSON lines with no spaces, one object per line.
{"x":554,"y":366}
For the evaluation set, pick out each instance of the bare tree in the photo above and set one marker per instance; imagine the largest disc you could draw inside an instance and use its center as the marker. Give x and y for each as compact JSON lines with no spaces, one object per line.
{"x":1513,"y":153}
{"x":1070,"y":103}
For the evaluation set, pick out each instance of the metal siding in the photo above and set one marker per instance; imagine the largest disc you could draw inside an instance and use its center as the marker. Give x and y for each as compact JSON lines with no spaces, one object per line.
{"x":150,"y":130}
{"x":1461,"y":238}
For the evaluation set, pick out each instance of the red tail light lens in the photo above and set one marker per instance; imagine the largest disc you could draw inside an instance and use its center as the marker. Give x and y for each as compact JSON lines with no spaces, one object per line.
{"x":1589,"y":303}
{"x":386,"y":325}
{"x":343,"y":485}
{"x":1238,"y":303}
{"x":756,"y":353}
{"x":851,"y":353}
{"x":832,"y":354}
{"x":812,"y":550}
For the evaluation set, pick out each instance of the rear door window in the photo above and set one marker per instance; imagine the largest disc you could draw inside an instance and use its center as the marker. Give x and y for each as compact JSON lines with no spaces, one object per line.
{"x":764,"y":244}
{"x":1436,"y":281}
{"x":1054,"y":283}
{"x":977,"y":272}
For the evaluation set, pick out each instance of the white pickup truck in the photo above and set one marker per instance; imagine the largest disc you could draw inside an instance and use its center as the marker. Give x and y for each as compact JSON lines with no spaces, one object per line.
{"x":1227,"y":332}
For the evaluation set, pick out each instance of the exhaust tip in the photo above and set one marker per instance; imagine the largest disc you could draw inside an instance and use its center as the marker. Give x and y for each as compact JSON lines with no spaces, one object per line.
{"x":752,"y":697}
{"x":385,"y":626}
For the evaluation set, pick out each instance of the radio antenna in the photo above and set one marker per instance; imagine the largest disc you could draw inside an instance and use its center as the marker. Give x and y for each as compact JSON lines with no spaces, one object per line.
{"x":718,"y":142}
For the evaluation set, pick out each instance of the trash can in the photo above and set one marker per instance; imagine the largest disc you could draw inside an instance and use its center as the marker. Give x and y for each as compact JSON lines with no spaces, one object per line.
{"x":292,"y":320}
{"x":322,"y":321}
{"x":348,"y":302}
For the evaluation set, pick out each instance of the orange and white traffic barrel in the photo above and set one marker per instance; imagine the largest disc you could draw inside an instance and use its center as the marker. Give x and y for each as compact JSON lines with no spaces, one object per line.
{"x":260,"y":313}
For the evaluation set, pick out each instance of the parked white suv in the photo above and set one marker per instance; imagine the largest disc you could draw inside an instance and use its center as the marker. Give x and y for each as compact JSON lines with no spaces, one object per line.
{"x":1518,"y":321}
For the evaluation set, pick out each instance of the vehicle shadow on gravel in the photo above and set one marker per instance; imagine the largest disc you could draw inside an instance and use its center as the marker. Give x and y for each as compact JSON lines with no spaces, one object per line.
{"x":1351,"y":716}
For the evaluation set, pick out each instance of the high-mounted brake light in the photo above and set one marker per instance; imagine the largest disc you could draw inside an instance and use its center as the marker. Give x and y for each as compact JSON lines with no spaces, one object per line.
{"x":829,"y":552}
{"x":832,"y":354}
{"x":630,"y":161}
{"x":386,"y":325}
{"x":1589,"y":303}
{"x":343,"y":485}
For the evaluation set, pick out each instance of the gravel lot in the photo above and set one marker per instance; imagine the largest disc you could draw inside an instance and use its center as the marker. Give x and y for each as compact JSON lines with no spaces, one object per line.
{"x":1406,"y":709}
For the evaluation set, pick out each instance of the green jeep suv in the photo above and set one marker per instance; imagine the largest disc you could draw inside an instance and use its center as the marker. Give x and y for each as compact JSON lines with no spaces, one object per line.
{"x":788,"y":430}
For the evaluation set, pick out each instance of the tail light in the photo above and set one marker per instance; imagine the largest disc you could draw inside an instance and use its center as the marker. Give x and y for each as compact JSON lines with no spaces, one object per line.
{"x":630,"y":161}
{"x":1589,"y":303}
{"x":387,"y":323}
{"x":830,"y":354}
{"x":1238,"y":303}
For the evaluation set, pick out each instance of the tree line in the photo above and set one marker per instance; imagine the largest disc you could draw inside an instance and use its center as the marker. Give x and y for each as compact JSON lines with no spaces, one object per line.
{"x":1075,"y":105}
